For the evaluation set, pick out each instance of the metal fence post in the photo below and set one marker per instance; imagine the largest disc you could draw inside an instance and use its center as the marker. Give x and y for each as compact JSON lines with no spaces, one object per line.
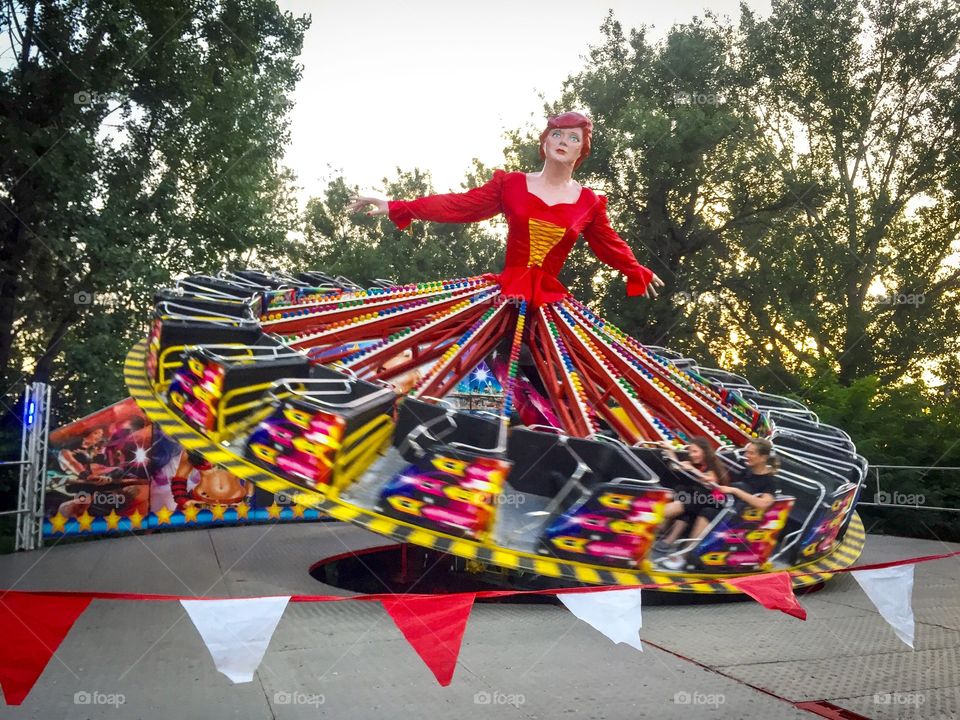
{"x":33,"y":466}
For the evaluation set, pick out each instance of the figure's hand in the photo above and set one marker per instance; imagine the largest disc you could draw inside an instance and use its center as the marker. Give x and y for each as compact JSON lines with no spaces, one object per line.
{"x":655,"y":282}
{"x":358,"y":203}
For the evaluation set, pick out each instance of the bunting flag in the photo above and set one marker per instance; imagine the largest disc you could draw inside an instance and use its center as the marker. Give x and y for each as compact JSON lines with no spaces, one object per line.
{"x":615,"y":613}
{"x":774,"y":591}
{"x":434,"y":626}
{"x":891,"y":591}
{"x":236,"y":632}
{"x":32,"y":626}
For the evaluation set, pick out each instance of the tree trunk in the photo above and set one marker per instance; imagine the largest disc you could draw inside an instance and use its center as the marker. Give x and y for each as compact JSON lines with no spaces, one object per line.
{"x":44,"y":365}
{"x":14,"y":246}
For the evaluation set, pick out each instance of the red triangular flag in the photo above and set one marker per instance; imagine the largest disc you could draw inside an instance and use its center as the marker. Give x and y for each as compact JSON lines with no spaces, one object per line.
{"x":434,"y":626}
{"x":32,"y":627}
{"x":774,"y":591}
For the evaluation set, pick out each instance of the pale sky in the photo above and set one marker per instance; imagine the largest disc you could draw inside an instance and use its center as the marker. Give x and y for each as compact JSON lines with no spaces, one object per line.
{"x":433,"y":84}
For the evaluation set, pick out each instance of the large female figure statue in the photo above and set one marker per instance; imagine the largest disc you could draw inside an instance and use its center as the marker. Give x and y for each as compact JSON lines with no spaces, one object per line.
{"x":587,"y":375}
{"x":546,"y":212}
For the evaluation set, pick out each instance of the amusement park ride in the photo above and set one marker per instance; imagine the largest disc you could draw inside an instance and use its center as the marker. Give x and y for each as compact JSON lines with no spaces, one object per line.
{"x":342,"y":398}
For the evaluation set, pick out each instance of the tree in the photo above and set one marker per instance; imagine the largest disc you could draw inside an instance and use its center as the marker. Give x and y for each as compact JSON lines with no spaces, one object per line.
{"x":792,"y":179}
{"x":141,"y":143}
{"x":864,"y":96}
{"x":365,"y":248}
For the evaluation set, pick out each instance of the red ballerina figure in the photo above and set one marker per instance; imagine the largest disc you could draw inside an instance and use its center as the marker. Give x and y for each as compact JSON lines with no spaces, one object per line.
{"x":546,"y":212}
{"x":597,"y":379}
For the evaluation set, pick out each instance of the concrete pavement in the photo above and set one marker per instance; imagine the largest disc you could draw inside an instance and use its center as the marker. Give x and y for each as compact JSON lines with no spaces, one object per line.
{"x":518,"y":661}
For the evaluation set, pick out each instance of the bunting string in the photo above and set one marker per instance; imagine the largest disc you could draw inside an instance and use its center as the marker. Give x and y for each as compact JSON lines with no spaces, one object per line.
{"x":237,"y":631}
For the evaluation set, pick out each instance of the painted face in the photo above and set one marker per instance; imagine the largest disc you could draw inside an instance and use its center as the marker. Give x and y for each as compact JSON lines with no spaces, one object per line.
{"x":94,"y":437}
{"x":696,"y":454}
{"x":564,"y":144}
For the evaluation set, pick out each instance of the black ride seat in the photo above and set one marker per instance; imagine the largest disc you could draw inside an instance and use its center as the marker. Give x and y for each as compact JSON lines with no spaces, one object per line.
{"x":602,"y":505}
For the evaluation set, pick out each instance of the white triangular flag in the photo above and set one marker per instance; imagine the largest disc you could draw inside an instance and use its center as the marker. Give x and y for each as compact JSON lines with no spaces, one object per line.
{"x":890,"y":590}
{"x":615,"y":613}
{"x":236,"y":632}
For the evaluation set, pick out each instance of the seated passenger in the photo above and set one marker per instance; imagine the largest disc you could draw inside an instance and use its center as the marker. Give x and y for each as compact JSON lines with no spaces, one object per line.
{"x":755,"y":486}
{"x":704,"y":465}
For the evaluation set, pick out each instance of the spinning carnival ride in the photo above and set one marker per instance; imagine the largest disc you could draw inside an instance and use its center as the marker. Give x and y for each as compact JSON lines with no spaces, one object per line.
{"x":344,"y":399}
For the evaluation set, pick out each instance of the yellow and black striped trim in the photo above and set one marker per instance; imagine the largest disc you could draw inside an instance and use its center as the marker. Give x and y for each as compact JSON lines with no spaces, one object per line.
{"x":843,"y":556}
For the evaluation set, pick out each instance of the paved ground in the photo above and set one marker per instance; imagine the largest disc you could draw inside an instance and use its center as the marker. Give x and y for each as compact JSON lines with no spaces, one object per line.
{"x":347,"y":660}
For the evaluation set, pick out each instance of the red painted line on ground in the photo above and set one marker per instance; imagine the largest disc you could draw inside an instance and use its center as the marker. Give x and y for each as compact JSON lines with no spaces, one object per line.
{"x":818,"y":707}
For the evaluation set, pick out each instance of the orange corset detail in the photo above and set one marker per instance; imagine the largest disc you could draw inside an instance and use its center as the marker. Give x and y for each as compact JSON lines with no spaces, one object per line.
{"x":543,"y":238}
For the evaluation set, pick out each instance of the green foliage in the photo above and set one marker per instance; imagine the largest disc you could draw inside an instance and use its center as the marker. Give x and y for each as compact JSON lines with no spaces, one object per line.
{"x":141,"y":143}
{"x":790,"y":178}
{"x":365,"y":248}
{"x":902,"y":425}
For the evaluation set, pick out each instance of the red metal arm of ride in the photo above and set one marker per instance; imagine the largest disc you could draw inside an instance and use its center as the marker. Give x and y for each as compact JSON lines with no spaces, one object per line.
{"x":575,"y":419}
{"x":597,"y":370}
{"x":424,"y":340}
{"x":445,"y":374}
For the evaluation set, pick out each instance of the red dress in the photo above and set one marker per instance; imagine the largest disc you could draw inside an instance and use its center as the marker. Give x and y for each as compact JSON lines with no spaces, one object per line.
{"x":581,"y":373}
{"x":540,"y":236}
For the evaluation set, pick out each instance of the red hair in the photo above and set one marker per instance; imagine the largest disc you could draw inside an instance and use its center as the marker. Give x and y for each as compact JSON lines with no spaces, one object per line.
{"x":565,"y":121}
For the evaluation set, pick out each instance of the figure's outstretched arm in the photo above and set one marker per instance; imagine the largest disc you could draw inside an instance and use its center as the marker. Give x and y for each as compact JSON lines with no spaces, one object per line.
{"x":480,"y":203}
{"x":614,"y":251}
